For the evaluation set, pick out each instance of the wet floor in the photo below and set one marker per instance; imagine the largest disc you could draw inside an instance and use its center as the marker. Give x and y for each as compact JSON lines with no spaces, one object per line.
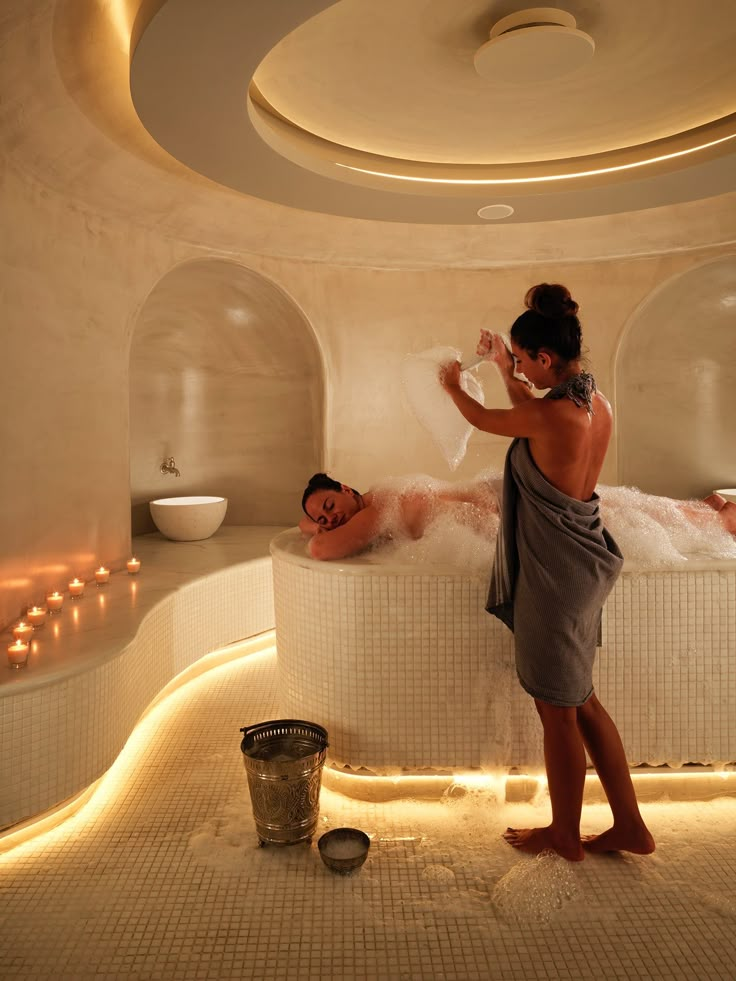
{"x":161,"y":876}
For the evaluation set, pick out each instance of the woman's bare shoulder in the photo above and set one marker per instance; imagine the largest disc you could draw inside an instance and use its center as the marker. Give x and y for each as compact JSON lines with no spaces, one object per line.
{"x":601,"y":402}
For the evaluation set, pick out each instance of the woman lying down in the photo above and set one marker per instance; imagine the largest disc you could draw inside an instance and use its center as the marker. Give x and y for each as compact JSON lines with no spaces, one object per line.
{"x":422,"y":519}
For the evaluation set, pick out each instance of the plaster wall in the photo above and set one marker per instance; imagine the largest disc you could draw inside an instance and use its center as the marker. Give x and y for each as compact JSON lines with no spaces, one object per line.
{"x":226,"y":378}
{"x":676,"y":385}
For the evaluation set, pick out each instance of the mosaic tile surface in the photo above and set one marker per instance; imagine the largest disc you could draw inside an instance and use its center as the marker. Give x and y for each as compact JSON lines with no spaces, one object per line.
{"x":160,"y":877}
{"x":407,"y":669}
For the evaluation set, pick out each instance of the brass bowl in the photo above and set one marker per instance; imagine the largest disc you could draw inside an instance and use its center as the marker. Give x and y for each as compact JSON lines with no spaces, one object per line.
{"x":343,"y":850}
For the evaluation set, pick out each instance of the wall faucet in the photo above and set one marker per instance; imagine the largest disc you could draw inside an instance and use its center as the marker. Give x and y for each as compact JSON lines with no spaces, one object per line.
{"x":168,"y":466}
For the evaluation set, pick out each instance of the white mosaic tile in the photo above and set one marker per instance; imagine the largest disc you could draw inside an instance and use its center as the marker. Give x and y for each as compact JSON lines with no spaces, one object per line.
{"x":165,"y":880}
{"x":409,"y":671}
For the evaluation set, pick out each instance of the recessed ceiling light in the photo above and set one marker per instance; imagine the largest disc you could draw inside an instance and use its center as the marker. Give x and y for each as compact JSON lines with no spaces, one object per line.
{"x":534,"y":45}
{"x":492,"y":212}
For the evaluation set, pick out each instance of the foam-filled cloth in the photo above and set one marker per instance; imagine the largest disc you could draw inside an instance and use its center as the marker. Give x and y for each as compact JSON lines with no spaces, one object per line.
{"x":554,"y":566}
{"x":434,"y":409}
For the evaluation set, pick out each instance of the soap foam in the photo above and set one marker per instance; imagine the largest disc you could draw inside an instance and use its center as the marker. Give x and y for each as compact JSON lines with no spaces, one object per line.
{"x":660,"y":532}
{"x":433,"y":407}
{"x":651,"y":531}
{"x":535,"y":889}
{"x":458,"y":533}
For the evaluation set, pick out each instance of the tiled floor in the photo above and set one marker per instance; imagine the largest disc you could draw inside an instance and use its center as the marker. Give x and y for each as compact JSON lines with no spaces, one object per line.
{"x":160,"y":876}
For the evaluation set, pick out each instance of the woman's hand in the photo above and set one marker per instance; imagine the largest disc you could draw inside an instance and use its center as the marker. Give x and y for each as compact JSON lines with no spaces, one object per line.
{"x":493,"y":348}
{"x":484,"y":344}
{"x":309,"y":527}
{"x":450,"y":375}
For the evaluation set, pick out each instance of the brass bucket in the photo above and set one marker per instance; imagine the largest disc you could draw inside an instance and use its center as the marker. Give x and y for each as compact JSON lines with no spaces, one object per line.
{"x":283,"y":760}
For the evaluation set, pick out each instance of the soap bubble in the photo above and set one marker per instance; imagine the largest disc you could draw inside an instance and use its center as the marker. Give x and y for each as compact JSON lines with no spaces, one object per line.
{"x":535,"y":889}
{"x":653,"y":532}
{"x":660,"y":532}
{"x":433,"y":407}
{"x":438,"y":873}
{"x":457,"y":523}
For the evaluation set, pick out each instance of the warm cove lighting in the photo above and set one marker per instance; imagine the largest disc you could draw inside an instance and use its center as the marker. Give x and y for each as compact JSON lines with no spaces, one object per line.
{"x":480,"y":781}
{"x":538,"y":180}
{"x":651,"y":785}
{"x":72,"y":819}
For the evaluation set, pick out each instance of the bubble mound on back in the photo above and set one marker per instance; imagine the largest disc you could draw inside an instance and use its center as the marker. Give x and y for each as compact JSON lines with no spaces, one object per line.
{"x":456,"y":533}
{"x":433,"y":407}
{"x":652,"y":532}
{"x":655,"y":532}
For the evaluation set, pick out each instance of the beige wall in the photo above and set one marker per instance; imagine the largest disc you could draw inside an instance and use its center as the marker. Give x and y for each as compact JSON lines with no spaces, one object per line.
{"x":96,"y":221}
{"x":676,"y":385}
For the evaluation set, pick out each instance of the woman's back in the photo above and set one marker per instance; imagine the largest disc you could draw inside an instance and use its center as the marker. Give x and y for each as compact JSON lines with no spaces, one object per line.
{"x":572,"y":446}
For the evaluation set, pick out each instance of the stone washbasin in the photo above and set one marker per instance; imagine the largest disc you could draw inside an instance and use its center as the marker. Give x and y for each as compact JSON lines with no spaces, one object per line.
{"x":188,"y":519}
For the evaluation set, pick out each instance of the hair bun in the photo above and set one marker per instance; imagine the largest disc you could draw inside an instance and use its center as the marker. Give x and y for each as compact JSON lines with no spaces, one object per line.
{"x":551,"y":300}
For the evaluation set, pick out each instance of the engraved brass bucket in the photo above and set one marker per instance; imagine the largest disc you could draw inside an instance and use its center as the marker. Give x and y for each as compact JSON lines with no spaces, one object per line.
{"x":284,"y":759}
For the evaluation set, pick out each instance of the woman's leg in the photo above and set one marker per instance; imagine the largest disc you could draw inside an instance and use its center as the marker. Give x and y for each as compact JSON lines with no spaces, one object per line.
{"x":606,"y":751}
{"x":564,"y":757}
{"x":723,"y":509}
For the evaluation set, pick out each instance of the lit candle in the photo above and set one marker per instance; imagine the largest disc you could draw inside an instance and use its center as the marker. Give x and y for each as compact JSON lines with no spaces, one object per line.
{"x":134,"y":566}
{"x":76,"y":589}
{"x":17,"y":654}
{"x":55,"y":602}
{"x":36,"y":616}
{"x":23,"y":632}
{"x":102,"y":575}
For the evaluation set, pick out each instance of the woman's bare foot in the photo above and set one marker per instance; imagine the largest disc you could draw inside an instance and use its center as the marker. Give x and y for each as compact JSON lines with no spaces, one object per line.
{"x":714,"y":501}
{"x":726,"y":511}
{"x":536,"y":840}
{"x":727,"y":514}
{"x":637,"y":840}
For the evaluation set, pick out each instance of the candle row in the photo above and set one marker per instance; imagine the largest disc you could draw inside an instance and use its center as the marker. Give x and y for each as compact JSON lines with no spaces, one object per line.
{"x":36,"y":615}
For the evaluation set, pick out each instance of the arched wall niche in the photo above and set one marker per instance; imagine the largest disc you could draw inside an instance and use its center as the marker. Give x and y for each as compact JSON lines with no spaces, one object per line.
{"x":226,"y":376}
{"x":676,"y":385}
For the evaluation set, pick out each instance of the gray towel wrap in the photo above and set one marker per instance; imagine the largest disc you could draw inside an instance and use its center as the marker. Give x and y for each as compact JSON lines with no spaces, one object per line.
{"x":554,"y":566}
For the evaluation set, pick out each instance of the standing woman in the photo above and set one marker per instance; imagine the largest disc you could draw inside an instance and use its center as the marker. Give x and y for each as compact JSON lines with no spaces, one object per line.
{"x":555,"y":563}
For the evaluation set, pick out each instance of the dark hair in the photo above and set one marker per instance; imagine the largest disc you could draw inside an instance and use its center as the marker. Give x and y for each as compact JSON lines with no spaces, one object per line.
{"x":550,"y":322}
{"x":318,"y":482}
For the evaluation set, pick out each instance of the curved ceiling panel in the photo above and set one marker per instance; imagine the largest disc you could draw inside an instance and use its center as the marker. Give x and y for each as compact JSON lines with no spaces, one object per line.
{"x":375,"y":110}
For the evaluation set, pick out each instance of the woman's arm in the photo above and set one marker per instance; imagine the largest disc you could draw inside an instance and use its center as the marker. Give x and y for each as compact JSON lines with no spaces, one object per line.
{"x":348,"y":539}
{"x":525,"y":419}
{"x":309,"y":527}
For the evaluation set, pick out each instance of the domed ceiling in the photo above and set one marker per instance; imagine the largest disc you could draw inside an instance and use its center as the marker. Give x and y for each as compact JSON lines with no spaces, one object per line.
{"x":430,"y":111}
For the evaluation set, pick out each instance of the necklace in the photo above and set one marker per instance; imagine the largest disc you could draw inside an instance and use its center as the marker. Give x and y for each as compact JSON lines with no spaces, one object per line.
{"x":580,"y":389}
